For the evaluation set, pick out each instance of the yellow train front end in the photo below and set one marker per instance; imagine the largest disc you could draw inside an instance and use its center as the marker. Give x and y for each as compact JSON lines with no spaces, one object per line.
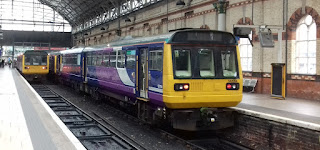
{"x":200,"y":92}
{"x":35,"y":65}
{"x":200,"y":81}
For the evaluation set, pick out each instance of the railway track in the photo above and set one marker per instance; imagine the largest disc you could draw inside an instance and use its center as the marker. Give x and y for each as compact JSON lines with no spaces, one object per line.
{"x":74,"y":118}
{"x":90,"y":132}
{"x":213,"y":143}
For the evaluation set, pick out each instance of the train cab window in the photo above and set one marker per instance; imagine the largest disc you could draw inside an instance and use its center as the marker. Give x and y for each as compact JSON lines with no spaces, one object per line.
{"x":113,"y":58}
{"x":229,"y":63}
{"x":44,"y":60}
{"x":182,"y":63}
{"x":27,"y":60}
{"x":35,"y":60}
{"x":105,"y":61}
{"x":120,"y":59}
{"x":206,"y":62}
{"x":131,"y":59}
{"x":155,"y":60}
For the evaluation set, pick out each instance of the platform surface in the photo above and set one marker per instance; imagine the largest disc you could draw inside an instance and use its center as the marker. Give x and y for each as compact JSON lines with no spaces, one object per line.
{"x":25,"y":122}
{"x":302,"y":110}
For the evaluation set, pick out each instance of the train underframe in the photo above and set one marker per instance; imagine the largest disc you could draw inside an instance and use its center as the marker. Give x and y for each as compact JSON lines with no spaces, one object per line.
{"x":35,"y":77}
{"x":183,"y":119}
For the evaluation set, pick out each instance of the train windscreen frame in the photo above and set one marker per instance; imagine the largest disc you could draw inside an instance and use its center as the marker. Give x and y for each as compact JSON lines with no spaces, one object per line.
{"x":35,"y":58}
{"x":205,"y":62}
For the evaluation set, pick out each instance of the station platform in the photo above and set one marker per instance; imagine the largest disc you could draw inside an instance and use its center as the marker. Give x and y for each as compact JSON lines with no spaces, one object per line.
{"x":298,"y":112}
{"x":26,"y":121}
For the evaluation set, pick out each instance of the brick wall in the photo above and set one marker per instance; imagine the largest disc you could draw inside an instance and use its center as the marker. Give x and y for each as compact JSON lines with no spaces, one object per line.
{"x":269,"y":12}
{"x":298,"y":86}
{"x":257,"y":133}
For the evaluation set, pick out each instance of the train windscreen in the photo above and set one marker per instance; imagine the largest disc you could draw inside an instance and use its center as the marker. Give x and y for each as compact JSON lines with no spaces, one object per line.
{"x":35,"y":58}
{"x":198,"y":62}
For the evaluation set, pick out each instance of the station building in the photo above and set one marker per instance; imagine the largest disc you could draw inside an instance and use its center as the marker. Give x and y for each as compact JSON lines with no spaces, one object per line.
{"x":298,"y":25}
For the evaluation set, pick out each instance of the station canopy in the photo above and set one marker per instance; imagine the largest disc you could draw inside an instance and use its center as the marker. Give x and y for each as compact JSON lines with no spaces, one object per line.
{"x":84,"y":14}
{"x":31,"y":15}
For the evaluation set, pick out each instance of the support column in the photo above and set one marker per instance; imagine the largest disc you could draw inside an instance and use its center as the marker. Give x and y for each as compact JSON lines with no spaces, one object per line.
{"x":221,"y":7}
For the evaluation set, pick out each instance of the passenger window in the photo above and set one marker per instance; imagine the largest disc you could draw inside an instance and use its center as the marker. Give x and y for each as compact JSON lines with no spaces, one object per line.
{"x":89,"y":59}
{"x":229,"y":63}
{"x":155,"y":60}
{"x":182,"y":63}
{"x":120,"y":59}
{"x":73,"y":59}
{"x":94,"y":60}
{"x":106,"y":60}
{"x":64,"y":59}
{"x":206,"y":62}
{"x":131,"y":59}
{"x":99,"y":60}
{"x":78,"y":59}
{"x":113,"y":58}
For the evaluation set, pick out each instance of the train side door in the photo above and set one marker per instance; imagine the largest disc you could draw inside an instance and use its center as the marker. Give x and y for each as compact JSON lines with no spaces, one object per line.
{"x":143,"y":72}
{"x":58,"y":62}
{"x":84,"y":67}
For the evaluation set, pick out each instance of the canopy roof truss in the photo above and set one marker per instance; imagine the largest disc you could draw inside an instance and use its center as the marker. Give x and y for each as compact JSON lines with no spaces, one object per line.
{"x":85,"y":14}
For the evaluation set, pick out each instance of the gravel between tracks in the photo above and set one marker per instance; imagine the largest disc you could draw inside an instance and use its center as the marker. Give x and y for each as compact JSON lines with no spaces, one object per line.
{"x":142,"y":134}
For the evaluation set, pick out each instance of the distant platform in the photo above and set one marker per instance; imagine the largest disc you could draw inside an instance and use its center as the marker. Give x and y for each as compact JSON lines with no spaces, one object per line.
{"x":26,"y":121}
{"x":293,"y":111}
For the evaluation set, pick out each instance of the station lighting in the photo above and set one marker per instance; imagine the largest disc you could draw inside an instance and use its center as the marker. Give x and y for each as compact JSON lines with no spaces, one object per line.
{"x":180,"y":3}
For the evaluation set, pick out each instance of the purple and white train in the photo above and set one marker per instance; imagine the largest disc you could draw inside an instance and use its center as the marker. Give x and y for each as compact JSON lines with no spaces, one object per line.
{"x":185,"y":77}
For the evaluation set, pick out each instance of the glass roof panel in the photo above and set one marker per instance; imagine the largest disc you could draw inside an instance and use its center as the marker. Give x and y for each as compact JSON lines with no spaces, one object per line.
{"x":31,"y":15}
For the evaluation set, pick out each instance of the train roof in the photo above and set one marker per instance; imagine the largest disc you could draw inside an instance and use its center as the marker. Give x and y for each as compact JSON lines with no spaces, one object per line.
{"x":73,"y":50}
{"x":140,"y":40}
{"x":31,"y":52}
{"x":97,"y":48}
{"x":197,"y":36}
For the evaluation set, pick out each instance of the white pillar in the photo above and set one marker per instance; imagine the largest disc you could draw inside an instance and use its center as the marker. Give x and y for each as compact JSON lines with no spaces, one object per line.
{"x":221,"y":7}
{"x":222,"y":22}
{"x":280,"y":45}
